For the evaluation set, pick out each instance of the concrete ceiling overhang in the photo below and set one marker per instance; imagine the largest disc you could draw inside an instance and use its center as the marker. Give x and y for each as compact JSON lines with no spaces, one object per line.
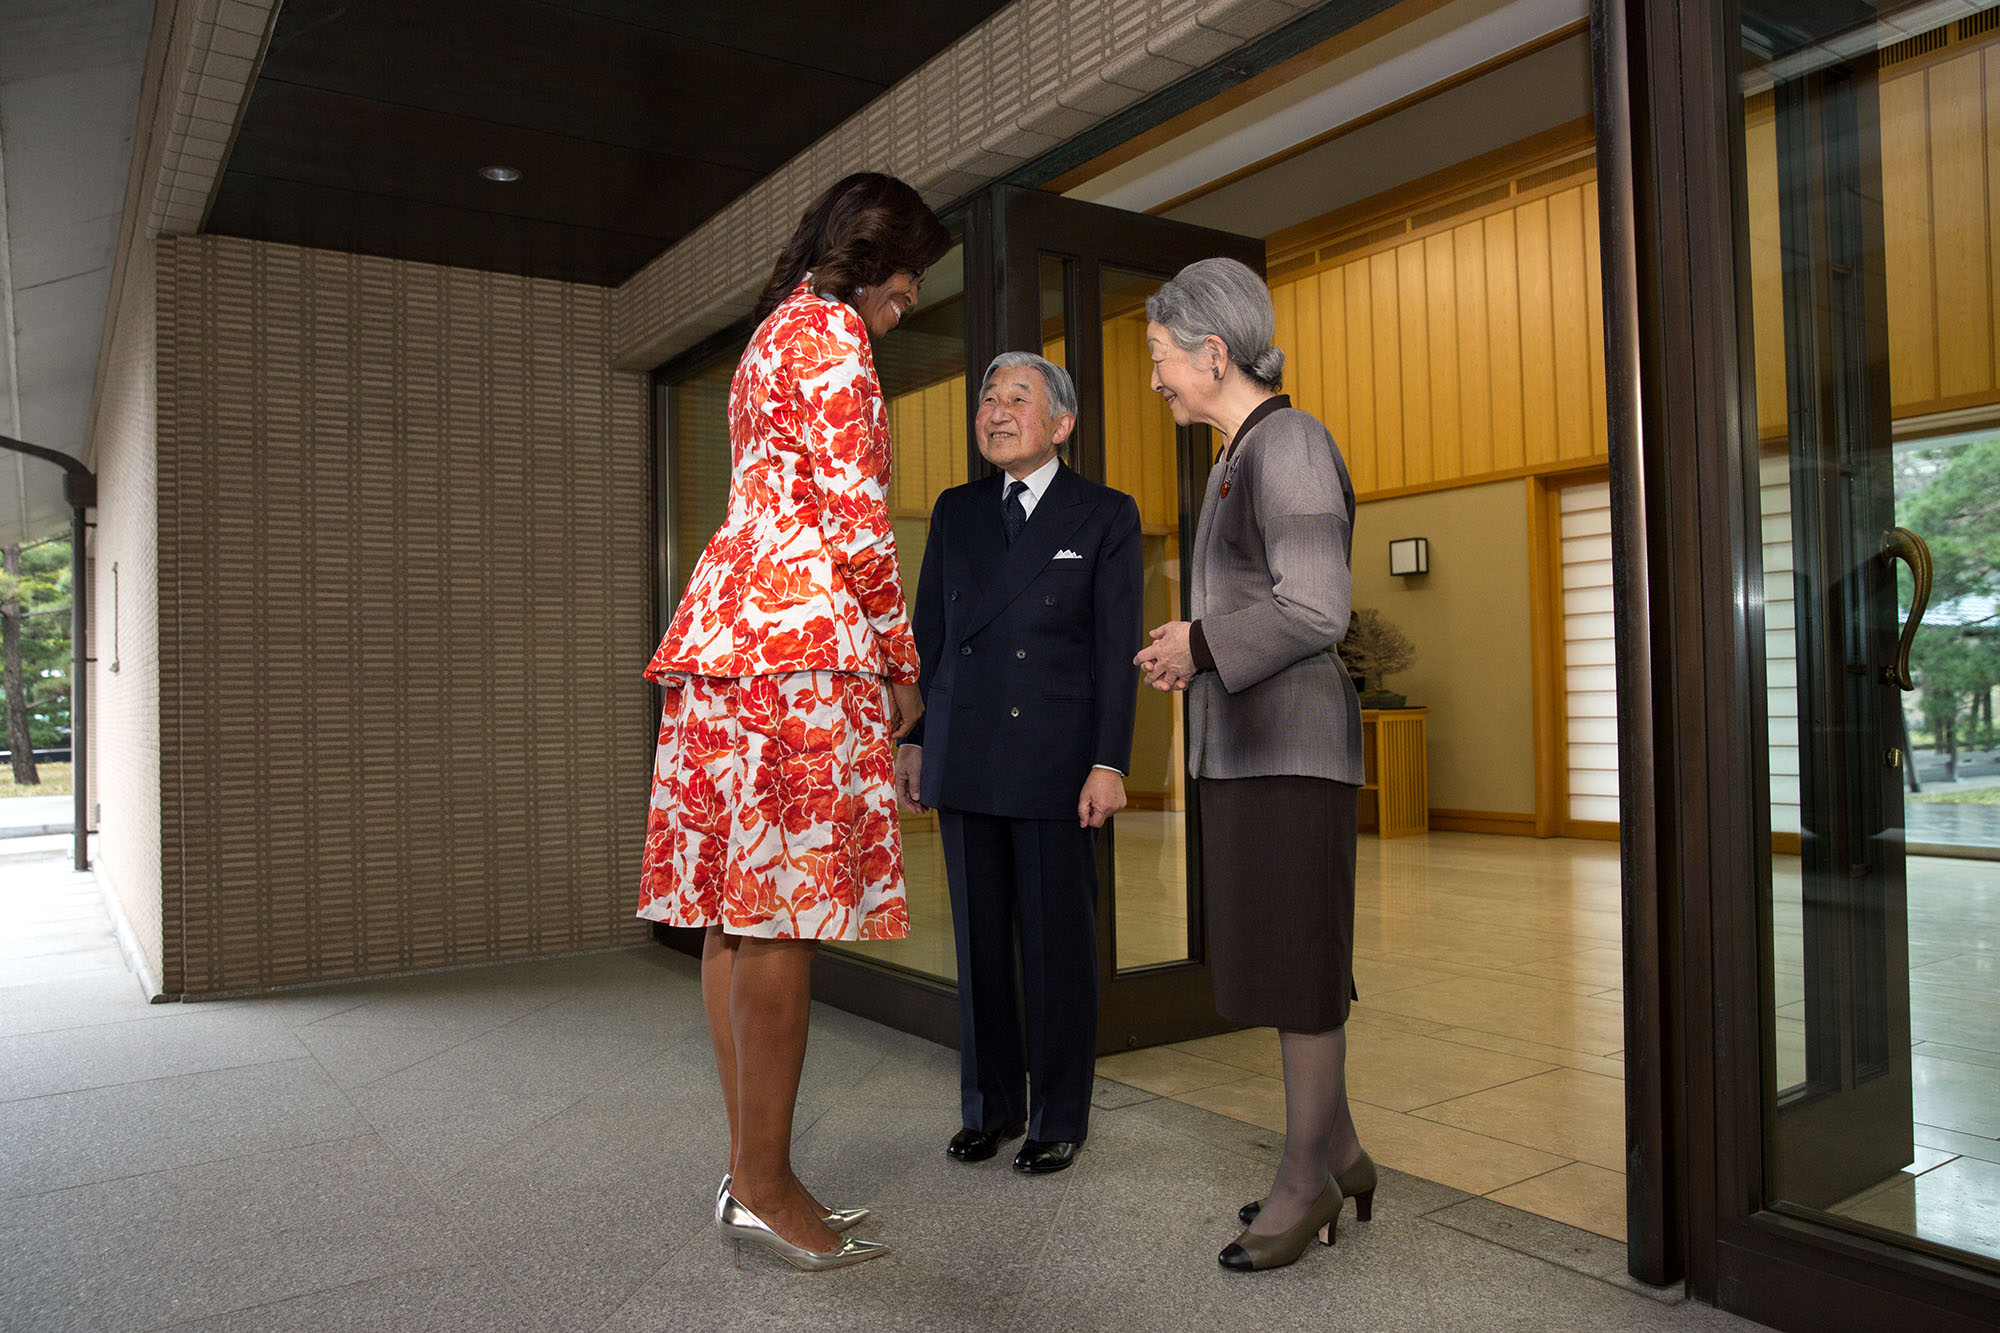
{"x":70,"y":74}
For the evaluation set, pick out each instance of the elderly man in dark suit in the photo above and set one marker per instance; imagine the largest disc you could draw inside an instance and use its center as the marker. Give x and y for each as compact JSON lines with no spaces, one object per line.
{"x":1027,"y":615}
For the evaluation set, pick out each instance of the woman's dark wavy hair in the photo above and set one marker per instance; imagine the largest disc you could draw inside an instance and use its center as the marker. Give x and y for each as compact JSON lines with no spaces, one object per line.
{"x":860,"y":232}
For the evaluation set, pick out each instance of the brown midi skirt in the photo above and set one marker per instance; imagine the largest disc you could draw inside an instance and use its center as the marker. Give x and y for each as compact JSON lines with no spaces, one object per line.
{"x":1277,"y":858}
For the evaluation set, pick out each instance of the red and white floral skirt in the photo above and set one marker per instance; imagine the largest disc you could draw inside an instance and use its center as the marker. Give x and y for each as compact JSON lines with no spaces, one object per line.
{"x":773,"y":811}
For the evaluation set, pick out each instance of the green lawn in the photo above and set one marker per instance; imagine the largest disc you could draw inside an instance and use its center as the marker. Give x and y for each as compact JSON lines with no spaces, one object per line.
{"x":54,"y":781}
{"x":1975,"y":796}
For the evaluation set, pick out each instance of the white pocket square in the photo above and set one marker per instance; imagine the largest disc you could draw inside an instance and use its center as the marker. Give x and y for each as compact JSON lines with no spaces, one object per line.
{"x":1067,"y":554}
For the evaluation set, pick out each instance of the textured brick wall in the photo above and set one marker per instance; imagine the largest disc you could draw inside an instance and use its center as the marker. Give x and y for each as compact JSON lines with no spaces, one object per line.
{"x":125,"y":629}
{"x":1028,"y":79}
{"x":405,"y":592}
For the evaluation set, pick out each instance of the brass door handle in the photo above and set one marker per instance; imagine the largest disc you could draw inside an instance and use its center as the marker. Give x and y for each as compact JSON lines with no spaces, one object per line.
{"x":1902,"y":544}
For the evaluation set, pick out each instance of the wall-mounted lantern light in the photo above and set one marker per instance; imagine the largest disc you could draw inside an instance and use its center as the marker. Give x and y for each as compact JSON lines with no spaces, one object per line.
{"x":1410,"y":555}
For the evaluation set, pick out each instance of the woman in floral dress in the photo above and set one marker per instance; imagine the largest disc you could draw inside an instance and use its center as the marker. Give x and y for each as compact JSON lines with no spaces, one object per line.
{"x":789,"y":668}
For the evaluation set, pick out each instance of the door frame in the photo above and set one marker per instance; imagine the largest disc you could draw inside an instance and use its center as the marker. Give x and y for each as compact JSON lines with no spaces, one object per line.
{"x":1171,"y":1001}
{"x":1685,"y":531}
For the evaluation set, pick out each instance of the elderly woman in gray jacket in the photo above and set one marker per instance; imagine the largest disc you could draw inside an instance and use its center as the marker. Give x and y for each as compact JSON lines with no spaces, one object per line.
{"x":1274,"y":731}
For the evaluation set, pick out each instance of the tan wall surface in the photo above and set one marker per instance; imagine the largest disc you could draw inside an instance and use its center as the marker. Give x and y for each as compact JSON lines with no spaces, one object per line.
{"x":405,"y":594}
{"x":1469,"y":621}
{"x":125,"y":628}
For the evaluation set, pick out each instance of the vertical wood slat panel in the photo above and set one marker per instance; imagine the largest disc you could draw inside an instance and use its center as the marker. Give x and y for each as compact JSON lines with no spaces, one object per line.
{"x":1593,"y":261}
{"x":1960,"y":245}
{"x":1413,"y":320}
{"x":1333,"y":360}
{"x":1475,"y":374}
{"x":1571,"y":299}
{"x":1446,"y":410}
{"x":1538,"y":360}
{"x":1365,"y":452}
{"x":1767,"y":297}
{"x":1303,"y":363}
{"x":1906,"y":224}
{"x":1503,"y":321}
{"x":1992,"y":136}
{"x":1383,"y":292}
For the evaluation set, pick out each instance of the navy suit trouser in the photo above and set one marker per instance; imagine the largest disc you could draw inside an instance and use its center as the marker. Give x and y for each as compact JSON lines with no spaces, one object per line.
{"x":1040,"y":876}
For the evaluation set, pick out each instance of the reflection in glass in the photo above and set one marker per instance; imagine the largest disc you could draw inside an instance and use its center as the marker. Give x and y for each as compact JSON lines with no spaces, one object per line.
{"x":1142,"y":458}
{"x":922,"y":366}
{"x":699,"y":410}
{"x":1868,"y":206}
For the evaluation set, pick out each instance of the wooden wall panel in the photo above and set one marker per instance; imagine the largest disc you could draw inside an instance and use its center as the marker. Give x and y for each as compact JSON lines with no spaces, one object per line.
{"x":1412,"y":319}
{"x":1475,"y":357}
{"x":1906,"y":230}
{"x":1503,"y":321}
{"x":1538,"y":359}
{"x":1593,"y":265}
{"x":1441,"y":293}
{"x":1469,"y":349}
{"x":1961,"y":250}
{"x":1570,"y":299}
{"x":1364,"y":455}
{"x":1940,"y":128}
{"x":1992,"y":103}
{"x":1385,"y":315}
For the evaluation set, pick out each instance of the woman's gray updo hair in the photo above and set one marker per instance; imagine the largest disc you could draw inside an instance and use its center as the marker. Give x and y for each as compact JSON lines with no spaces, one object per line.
{"x":1224,"y":299}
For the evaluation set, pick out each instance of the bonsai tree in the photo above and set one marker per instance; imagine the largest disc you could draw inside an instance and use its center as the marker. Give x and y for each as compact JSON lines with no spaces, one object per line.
{"x":1374,"y":648}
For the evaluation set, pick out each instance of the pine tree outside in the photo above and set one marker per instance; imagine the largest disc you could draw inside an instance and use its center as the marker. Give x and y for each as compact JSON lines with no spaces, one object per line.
{"x":35,"y":644}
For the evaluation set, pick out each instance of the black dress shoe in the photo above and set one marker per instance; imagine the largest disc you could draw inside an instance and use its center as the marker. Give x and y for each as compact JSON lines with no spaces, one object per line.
{"x":1038,"y":1157}
{"x":976,"y":1145}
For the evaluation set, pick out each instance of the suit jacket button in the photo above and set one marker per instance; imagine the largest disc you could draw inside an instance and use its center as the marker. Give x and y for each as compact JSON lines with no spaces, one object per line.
{"x":1048,"y":601}
{"x":1014,"y":712}
{"x":965,"y":650}
{"x":954,"y":597}
{"x":1021,"y":652}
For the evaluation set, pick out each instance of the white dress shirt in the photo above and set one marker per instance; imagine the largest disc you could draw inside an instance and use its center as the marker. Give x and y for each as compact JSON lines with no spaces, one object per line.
{"x":1038,"y":485}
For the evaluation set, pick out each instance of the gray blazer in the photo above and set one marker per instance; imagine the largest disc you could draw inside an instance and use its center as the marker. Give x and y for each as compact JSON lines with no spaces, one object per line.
{"x":1272,"y":588}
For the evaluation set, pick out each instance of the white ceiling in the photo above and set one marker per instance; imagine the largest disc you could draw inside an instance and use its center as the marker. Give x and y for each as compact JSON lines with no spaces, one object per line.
{"x":70,"y":72}
{"x":1416,"y":56}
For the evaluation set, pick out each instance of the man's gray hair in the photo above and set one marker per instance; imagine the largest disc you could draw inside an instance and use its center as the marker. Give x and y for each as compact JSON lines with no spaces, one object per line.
{"x":1062,"y":391}
{"x":1224,"y":299}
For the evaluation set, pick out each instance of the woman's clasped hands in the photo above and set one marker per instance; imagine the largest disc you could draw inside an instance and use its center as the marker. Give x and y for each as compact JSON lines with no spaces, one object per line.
{"x":1168,"y":661}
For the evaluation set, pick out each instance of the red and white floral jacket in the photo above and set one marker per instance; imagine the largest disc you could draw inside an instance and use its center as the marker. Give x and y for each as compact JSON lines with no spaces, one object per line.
{"x":801,"y":576}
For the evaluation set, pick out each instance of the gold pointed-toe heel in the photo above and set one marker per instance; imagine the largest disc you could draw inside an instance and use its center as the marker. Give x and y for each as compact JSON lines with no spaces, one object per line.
{"x":736,"y":1224}
{"x":1356,"y":1181}
{"x":1250,"y":1253}
{"x":844,"y":1219}
{"x":836,"y":1219}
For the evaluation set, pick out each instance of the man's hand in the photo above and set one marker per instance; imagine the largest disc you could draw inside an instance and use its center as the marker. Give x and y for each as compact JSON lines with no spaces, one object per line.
{"x":1168,"y":661}
{"x":909,"y":780}
{"x":906,"y":705}
{"x":1103,"y":796}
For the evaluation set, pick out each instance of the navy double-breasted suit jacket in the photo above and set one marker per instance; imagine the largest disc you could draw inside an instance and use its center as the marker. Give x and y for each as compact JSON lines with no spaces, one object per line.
{"x":1026,"y":650}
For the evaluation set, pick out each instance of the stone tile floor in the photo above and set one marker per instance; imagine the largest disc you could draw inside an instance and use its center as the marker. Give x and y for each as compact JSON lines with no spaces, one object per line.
{"x":533,"y":1146}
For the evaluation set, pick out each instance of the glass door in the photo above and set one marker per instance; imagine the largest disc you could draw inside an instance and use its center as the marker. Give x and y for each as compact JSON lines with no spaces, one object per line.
{"x":1072,"y":280}
{"x":1868,"y":204}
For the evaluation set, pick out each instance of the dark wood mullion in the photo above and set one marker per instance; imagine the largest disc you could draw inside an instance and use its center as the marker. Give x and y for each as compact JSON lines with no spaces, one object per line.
{"x":1654,"y":1122}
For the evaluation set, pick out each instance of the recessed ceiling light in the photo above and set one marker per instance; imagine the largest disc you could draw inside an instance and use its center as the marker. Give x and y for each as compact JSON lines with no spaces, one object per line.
{"x":501,"y":173}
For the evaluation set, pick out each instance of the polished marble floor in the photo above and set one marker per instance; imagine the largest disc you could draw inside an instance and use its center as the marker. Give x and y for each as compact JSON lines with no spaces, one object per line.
{"x":1487,"y":1050}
